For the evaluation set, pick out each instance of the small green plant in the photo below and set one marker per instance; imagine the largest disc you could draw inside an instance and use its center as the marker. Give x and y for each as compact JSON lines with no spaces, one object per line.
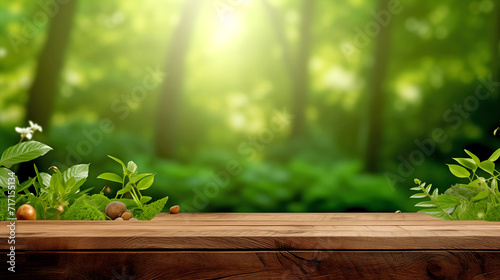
{"x":54,"y":193}
{"x":12,"y":191}
{"x":478,"y":198}
{"x":58,"y":195}
{"x":132,"y":182}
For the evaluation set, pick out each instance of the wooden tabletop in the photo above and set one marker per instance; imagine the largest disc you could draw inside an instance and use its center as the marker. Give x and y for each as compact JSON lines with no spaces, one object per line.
{"x":340,"y":246}
{"x":260,"y":231}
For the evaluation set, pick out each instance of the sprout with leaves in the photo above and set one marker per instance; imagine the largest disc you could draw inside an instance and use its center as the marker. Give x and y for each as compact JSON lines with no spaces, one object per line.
{"x":132,"y":182}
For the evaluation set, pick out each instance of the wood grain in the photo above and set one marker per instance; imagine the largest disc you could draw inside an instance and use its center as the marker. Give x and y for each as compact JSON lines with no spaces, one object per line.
{"x":257,"y":246}
{"x":338,"y":265}
{"x":264,"y":231}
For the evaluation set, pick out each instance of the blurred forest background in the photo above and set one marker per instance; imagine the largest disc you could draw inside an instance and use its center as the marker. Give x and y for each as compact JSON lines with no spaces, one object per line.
{"x":256,"y":105}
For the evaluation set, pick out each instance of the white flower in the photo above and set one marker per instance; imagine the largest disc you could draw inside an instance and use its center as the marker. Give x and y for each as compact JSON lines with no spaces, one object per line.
{"x":35,"y":127}
{"x":25,"y":132}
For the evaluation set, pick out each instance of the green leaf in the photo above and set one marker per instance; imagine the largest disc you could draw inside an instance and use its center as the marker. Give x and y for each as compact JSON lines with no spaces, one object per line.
{"x":416,"y":189}
{"x":487,"y":166}
{"x":480,"y":196}
{"x":145,"y":183}
{"x":458,"y":171}
{"x":126,"y":189}
{"x":79,"y":172}
{"x":467,"y":162}
{"x":23,"y":152}
{"x":39,"y":206}
{"x":68,"y":185}
{"x":56,"y":184}
{"x":51,"y":214}
{"x":471,"y":185}
{"x":84,"y":191}
{"x":482,"y":182}
{"x":4,"y":177}
{"x":435,"y":212}
{"x":425,"y":204}
{"x":132,"y":167}
{"x":110,"y":177}
{"x":435,"y":194}
{"x":494,"y":184}
{"x":459,"y":210}
{"x":447,"y":201}
{"x":26,"y":184}
{"x":137,"y":177}
{"x":495,"y":155}
{"x":427,"y":190}
{"x":45,"y":179}
{"x":474,"y":157}
{"x":130,"y":203}
{"x":418,"y":195}
{"x":145,"y":199}
{"x":120,"y":162}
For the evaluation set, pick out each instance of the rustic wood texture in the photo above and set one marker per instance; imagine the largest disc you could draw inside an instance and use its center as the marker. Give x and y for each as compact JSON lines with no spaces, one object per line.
{"x":266,"y":231}
{"x":338,"y":265}
{"x":257,"y":246}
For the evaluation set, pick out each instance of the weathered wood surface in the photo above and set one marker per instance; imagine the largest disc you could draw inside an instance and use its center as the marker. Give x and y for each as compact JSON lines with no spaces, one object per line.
{"x":336,"y":265}
{"x":257,"y":246}
{"x":269,"y":231}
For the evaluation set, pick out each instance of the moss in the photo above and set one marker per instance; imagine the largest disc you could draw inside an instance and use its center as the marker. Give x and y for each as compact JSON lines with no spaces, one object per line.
{"x":152,"y":209}
{"x":3,"y":206}
{"x":475,"y":211}
{"x":87,"y":208}
{"x":493,"y":214}
{"x":458,"y":191}
{"x":99,"y":201}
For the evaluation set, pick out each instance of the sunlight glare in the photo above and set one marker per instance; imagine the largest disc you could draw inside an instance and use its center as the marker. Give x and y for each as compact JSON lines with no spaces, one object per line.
{"x":229,"y":26}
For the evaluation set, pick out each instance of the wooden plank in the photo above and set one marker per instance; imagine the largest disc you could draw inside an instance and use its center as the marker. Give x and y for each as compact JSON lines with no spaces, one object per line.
{"x":240,"y":231}
{"x":444,"y":242}
{"x":291,"y":219}
{"x":339,"y":265}
{"x":153,"y":229}
{"x":297,"y":217}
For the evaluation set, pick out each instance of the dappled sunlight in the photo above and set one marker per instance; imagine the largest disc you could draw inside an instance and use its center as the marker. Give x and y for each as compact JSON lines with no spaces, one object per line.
{"x":311,"y":98}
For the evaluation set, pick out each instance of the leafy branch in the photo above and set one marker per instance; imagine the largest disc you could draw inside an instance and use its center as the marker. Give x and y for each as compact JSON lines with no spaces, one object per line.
{"x":440,"y":206}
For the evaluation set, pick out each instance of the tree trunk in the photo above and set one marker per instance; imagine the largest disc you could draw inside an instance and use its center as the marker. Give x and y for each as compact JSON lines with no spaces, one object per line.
{"x":168,"y":112}
{"x":301,"y":78}
{"x":376,"y":106}
{"x":297,"y":67}
{"x":43,"y":91}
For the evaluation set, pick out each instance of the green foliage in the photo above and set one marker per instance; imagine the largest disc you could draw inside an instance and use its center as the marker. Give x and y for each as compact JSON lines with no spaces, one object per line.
{"x":87,"y":208}
{"x":151,"y":210}
{"x":475,"y":211}
{"x":228,"y":97}
{"x":19,"y":153}
{"x":57,"y":190}
{"x":99,"y":201}
{"x":23,"y":152}
{"x":132,"y":182}
{"x":493,"y":213}
{"x":470,"y":201}
{"x":440,"y":206}
{"x":458,"y":191}
{"x":4,"y":214}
